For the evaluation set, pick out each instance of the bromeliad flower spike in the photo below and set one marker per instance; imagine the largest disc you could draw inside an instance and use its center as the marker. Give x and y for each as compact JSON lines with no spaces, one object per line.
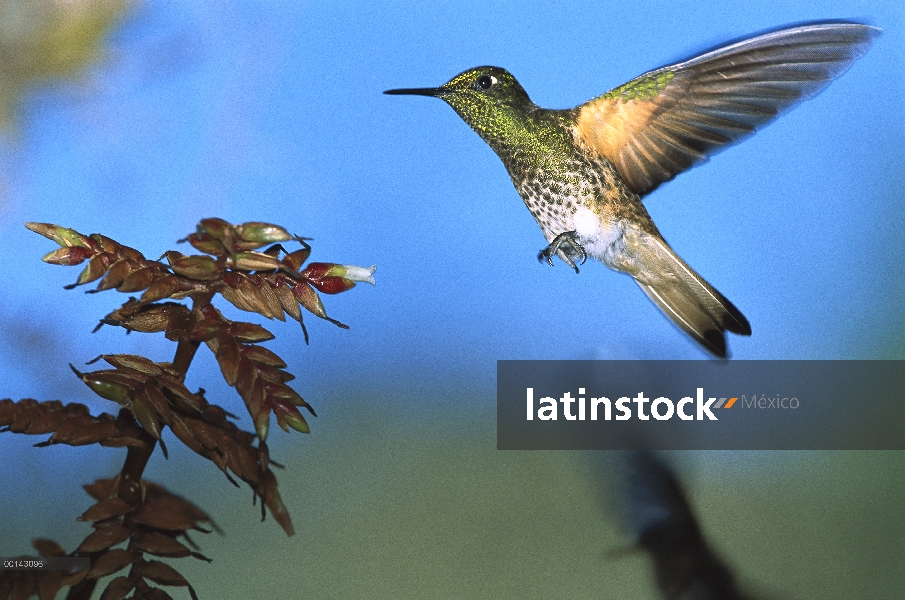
{"x":582,"y":172}
{"x":152,"y":396}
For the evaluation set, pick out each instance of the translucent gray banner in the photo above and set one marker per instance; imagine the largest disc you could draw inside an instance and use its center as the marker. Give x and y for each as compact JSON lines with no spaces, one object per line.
{"x":701,"y":405}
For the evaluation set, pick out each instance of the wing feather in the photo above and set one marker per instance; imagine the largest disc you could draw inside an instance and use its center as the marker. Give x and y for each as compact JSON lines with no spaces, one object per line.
{"x":669,"y":119}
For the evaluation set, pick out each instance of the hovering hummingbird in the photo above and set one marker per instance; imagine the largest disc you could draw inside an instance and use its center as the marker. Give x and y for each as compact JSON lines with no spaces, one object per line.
{"x":657,"y":515}
{"x":583,"y":171}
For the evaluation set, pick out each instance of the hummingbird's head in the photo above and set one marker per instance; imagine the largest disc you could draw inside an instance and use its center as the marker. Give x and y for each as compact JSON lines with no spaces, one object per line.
{"x":489,"y":99}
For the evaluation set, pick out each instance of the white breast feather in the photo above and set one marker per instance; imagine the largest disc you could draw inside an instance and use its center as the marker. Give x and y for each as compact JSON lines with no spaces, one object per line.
{"x":600,"y":240}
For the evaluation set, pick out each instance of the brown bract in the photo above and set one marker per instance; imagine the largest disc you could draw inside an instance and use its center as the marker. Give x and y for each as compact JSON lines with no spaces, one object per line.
{"x":133,"y":517}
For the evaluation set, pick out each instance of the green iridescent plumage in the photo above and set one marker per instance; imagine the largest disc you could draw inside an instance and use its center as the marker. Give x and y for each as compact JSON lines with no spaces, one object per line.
{"x":506,"y":118}
{"x":645,"y":87}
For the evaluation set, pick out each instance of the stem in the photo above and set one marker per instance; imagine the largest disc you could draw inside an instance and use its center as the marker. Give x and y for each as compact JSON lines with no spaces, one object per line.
{"x":137,"y":457}
{"x":136,"y":461}
{"x":129,"y":490}
{"x":186,"y":348}
{"x":185,"y":352}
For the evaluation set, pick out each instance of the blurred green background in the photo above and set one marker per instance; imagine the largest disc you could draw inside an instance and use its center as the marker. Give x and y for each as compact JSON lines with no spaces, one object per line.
{"x":392,"y":498}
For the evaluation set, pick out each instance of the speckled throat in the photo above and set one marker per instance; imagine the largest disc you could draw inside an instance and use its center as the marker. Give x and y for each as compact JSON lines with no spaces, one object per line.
{"x":554,"y":191}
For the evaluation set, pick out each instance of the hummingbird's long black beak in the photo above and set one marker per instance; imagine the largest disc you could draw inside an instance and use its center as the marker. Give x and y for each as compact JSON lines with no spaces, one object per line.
{"x":417,"y":92}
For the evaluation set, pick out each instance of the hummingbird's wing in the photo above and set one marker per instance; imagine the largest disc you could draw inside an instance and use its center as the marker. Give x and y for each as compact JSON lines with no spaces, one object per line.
{"x":657,"y":514}
{"x":666,"y":120}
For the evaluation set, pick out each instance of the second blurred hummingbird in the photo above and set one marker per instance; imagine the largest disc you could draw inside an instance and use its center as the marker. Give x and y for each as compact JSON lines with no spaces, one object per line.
{"x":583,"y":171}
{"x":656,"y":513}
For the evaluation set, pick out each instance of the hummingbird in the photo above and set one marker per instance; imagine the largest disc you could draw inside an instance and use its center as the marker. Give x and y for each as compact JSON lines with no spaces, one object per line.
{"x":656,"y":513}
{"x":582,"y":172}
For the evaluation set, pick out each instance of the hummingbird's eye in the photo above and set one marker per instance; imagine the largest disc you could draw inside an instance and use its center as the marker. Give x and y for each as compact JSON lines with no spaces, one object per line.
{"x":485,"y":82}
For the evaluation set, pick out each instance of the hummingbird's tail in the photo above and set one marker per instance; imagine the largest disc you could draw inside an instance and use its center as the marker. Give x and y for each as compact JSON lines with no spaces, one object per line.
{"x":689,"y":301}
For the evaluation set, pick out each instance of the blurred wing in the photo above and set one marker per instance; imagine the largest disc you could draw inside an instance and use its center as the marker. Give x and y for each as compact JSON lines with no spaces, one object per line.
{"x":665,"y":121}
{"x":654,"y":508}
{"x":656,"y":513}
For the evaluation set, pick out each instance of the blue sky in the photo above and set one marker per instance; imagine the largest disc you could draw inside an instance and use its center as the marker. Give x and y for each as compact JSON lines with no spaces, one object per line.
{"x":273,"y":111}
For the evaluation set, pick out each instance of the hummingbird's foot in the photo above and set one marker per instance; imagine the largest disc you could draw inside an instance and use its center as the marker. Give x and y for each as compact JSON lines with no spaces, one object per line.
{"x":566,"y":241}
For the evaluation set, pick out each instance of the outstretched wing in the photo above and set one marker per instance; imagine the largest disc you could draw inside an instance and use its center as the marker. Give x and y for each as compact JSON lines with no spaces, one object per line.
{"x":665,"y":121}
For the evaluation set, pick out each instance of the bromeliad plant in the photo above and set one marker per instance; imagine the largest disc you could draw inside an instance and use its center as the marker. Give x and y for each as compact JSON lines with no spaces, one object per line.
{"x":133,"y":517}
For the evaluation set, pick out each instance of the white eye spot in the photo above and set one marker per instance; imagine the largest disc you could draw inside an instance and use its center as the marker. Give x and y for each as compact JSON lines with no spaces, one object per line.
{"x":485,"y":82}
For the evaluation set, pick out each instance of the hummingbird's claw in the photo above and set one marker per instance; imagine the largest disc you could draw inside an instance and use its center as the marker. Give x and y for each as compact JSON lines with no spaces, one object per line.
{"x":566,"y":241}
